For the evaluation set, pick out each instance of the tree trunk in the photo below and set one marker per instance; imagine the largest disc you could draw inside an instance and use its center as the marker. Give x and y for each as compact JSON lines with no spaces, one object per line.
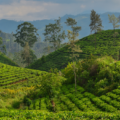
{"x":75,"y":77}
{"x":74,"y":74}
{"x":53,"y":105}
{"x":95,"y":42}
{"x":114,"y":41}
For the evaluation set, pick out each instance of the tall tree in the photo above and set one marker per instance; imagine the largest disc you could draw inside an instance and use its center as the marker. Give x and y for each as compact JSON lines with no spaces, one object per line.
{"x":18,"y":59}
{"x":114,"y":35}
{"x":12,"y":40}
{"x":114,"y":21}
{"x":26,"y":33}
{"x":96,"y":23}
{"x":27,"y":55}
{"x":47,"y":49}
{"x":71,"y":22}
{"x":54,"y":31}
{"x":99,"y":30}
{"x":3,"y":48}
{"x":10,"y":55}
{"x":119,"y":18}
{"x":74,"y":48}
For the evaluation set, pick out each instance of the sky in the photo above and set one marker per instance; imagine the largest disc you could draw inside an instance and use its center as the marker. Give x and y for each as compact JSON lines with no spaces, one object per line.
{"x":31,"y":10}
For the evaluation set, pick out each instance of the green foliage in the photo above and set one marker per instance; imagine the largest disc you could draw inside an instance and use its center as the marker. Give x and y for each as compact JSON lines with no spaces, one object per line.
{"x":50,"y":84}
{"x":53,"y":35}
{"x":16,"y":104}
{"x":113,"y":20}
{"x":54,"y":70}
{"x":93,"y":74}
{"x":102,"y":83}
{"x":6,"y":60}
{"x":25,"y":32}
{"x":95,"y":19}
{"x":59,"y":60}
{"x":97,"y":75}
{"x":43,"y":59}
{"x":26,"y":101}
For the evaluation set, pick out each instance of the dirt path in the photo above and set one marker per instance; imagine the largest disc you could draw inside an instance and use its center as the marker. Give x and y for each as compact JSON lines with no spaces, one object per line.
{"x":15,"y":82}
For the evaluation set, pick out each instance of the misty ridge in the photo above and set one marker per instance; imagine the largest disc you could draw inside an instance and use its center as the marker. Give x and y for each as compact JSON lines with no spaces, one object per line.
{"x":83,"y":20}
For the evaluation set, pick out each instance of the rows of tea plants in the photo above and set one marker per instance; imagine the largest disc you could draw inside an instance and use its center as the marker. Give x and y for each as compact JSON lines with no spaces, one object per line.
{"x":86,"y":101}
{"x":65,"y":101}
{"x":10,"y":75}
{"x":112,"y":98}
{"x":62,"y":115}
{"x":80,"y":101}
{"x":37,"y":104}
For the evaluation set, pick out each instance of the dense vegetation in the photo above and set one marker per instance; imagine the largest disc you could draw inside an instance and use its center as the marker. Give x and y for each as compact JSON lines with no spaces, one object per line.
{"x":60,"y":81}
{"x":105,"y":46}
{"x":4,"y":59}
{"x":98,"y":88}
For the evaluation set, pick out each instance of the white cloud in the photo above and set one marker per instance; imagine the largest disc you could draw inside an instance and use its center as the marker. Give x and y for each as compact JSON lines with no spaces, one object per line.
{"x":25,"y":10}
{"x":29,"y":10}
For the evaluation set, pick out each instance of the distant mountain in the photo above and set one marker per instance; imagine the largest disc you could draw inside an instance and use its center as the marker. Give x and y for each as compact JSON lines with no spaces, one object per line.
{"x":83,"y":20}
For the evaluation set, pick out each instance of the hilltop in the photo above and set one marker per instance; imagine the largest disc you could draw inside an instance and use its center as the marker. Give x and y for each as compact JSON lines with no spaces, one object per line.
{"x":104,"y":46}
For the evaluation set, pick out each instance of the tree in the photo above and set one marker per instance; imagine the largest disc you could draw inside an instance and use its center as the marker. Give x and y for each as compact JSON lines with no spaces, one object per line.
{"x":118,"y":44}
{"x":12,"y":40}
{"x":18,"y":59}
{"x":47,"y":49}
{"x":54,"y":31}
{"x":114,"y":21}
{"x":27,"y":55}
{"x":26,"y":34}
{"x":74,"y":48}
{"x":71,"y":22}
{"x":3,"y":48}
{"x":10,"y":55}
{"x":119,"y":18}
{"x":99,"y":30}
{"x":95,"y":24}
{"x":114,"y":35}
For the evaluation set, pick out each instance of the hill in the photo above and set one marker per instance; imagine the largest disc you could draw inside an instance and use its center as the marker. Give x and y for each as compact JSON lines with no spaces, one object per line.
{"x":105,"y":46}
{"x":98,"y":86}
{"x":4,"y":59}
{"x":19,"y":91}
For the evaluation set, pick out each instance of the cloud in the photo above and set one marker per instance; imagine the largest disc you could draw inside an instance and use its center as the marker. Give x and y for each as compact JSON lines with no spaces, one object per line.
{"x":32,"y":10}
{"x":29,"y":10}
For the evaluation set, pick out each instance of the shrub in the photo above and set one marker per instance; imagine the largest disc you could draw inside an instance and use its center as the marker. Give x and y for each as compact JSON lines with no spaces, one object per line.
{"x":16,"y":104}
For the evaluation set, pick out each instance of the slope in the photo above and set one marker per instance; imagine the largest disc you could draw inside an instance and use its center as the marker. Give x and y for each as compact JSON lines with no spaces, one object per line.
{"x":4,"y":59}
{"x":66,"y":99}
{"x":105,"y":46}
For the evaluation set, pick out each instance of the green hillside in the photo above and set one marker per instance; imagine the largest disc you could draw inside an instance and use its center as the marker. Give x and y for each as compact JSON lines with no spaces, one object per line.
{"x":4,"y":59}
{"x":104,"y":46}
{"x":35,"y":93}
